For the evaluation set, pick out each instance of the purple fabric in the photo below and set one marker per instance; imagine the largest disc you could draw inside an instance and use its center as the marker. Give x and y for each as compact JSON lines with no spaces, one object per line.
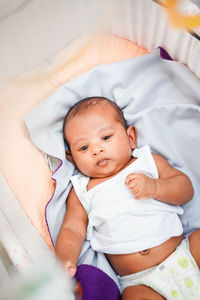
{"x":96,"y":285}
{"x":164,"y":54}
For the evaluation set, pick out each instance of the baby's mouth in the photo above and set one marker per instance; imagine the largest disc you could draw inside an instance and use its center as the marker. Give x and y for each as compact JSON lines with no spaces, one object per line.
{"x":102,"y":162}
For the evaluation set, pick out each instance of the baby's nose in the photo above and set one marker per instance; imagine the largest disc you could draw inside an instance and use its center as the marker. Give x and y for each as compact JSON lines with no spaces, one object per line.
{"x":97,"y":149}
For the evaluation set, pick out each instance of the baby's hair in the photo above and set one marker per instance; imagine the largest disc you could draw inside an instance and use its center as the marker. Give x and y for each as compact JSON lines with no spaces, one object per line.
{"x":86,"y":103}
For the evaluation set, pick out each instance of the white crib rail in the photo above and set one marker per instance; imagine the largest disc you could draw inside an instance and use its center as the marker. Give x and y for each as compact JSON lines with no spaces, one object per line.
{"x":13,"y":246}
{"x":28,"y":268}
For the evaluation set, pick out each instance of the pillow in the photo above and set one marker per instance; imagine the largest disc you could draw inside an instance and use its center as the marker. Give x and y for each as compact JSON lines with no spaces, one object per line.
{"x":21,"y":163}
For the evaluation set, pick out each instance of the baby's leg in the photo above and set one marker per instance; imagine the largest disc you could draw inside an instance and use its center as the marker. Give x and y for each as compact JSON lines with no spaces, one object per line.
{"x":140,"y":292}
{"x":194,"y":240}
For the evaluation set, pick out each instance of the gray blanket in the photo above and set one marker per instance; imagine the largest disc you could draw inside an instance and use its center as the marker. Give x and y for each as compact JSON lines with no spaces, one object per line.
{"x":160,"y":97}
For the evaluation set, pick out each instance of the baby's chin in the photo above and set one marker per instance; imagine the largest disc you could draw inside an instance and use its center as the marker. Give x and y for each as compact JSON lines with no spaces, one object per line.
{"x":106,"y":169}
{"x":96,"y":175}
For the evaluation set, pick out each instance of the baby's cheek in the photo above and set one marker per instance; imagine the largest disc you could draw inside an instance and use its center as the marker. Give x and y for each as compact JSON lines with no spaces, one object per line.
{"x":82,"y":165}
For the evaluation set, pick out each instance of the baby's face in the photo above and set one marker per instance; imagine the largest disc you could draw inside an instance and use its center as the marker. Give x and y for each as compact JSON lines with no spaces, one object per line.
{"x":100,"y":145}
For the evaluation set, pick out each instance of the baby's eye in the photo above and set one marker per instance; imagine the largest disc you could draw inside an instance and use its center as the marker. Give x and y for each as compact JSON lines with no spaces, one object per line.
{"x":106,"y":137}
{"x":83,"y":148}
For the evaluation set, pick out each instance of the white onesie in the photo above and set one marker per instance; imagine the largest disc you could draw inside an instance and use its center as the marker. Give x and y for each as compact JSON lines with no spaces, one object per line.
{"x":118,"y":223}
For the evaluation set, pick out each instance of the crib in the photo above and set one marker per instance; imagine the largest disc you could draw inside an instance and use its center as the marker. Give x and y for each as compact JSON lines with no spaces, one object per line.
{"x":45,"y":44}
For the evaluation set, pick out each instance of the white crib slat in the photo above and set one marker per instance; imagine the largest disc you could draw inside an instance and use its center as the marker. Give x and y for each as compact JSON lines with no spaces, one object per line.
{"x":4,"y":264}
{"x":157,"y":30}
{"x":13,"y":246}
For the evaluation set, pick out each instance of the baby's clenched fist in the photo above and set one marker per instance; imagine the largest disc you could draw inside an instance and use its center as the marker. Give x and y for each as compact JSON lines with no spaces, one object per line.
{"x":141,"y":186}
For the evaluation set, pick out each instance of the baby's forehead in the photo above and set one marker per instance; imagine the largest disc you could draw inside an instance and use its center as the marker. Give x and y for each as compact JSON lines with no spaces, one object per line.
{"x":80,"y":116}
{"x":95,"y":120}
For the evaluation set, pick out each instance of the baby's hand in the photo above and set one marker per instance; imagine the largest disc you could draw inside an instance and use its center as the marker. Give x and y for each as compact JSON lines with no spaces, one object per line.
{"x":70,"y":268}
{"x":141,"y":186}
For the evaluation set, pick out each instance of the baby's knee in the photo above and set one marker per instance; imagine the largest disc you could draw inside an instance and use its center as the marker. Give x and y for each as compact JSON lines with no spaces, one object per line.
{"x":140,"y":292}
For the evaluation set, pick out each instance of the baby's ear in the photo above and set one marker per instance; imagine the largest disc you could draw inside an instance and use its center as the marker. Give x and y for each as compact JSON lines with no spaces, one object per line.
{"x":132,"y":134}
{"x":69,"y":156}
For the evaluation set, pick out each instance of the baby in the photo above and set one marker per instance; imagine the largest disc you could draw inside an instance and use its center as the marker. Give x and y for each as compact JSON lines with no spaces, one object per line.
{"x":126,"y":201}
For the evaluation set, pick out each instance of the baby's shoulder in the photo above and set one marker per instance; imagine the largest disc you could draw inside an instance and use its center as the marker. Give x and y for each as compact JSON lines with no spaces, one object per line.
{"x":163,"y":166}
{"x":159,"y":159}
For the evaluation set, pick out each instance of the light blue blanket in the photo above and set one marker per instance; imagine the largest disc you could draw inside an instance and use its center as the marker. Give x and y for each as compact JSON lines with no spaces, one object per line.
{"x":160,"y":97}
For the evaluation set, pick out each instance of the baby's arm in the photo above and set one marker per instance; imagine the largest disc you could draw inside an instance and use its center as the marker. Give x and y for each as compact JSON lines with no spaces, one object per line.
{"x":172,"y":186}
{"x":72,"y":234}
